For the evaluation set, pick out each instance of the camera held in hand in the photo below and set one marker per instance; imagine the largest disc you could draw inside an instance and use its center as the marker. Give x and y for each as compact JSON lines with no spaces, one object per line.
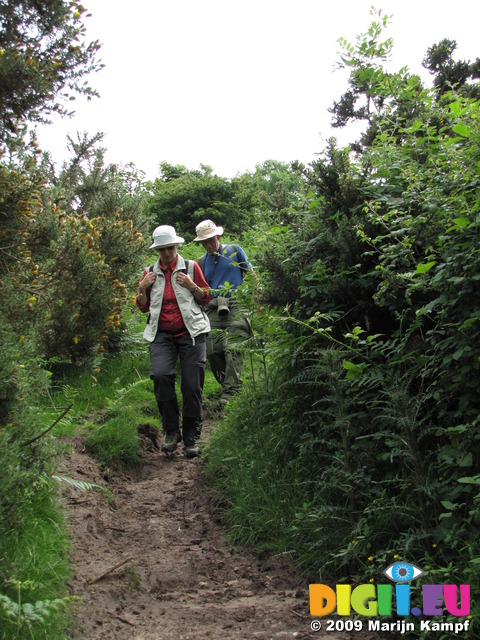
{"x":223,"y":306}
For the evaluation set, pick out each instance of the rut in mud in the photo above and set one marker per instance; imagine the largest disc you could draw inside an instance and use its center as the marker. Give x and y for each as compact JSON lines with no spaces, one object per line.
{"x":151,"y":561}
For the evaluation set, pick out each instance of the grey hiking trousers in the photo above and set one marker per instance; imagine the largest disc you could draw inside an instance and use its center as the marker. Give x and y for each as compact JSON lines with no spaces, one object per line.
{"x":225,"y":359}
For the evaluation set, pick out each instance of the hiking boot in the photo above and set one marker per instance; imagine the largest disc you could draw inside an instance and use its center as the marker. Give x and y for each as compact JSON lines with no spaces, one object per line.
{"x":170,"y":441}
{"x":192,"y":451}
{"x":191,"y":434}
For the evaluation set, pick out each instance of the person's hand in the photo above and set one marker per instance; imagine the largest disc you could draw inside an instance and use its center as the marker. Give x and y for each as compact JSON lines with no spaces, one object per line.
{"x":184,"y":280}
{"x":147,"y":282}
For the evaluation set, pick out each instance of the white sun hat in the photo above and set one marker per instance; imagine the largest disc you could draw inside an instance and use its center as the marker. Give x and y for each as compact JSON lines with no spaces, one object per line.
{"x":207,"y":229}
{"x":164,"y":236}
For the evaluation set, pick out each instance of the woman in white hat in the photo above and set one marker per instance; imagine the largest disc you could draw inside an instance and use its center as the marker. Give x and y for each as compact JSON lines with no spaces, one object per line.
{"x":173,"y":291}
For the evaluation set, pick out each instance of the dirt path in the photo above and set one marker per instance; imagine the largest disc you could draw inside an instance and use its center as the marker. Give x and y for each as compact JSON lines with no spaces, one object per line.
{"x":151,"y":561}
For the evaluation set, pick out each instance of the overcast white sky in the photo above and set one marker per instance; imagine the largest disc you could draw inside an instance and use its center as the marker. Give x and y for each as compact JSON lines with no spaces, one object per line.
{"x":232,"y":83}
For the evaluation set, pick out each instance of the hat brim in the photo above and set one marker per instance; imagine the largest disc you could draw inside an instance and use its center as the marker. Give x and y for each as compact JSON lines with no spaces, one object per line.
{"x":218,"y":232}
{"x":176,"y":240}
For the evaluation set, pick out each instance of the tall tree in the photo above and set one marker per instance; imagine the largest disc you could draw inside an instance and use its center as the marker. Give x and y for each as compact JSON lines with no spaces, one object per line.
{"x":184,"y":197}
{"x":391,"y":100}
{"x":43,"y":60}
{"x":368,"y":91}
{"x":450,"y":74}
{"x":278,"y":185}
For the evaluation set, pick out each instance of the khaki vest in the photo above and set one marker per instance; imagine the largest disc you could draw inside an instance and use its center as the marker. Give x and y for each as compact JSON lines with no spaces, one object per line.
{"x":194,"y":317}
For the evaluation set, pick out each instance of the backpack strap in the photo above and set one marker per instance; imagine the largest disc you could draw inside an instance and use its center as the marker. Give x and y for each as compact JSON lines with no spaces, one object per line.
{"x":237,"y":251}
{"x":235,"y":257}
{"x":189,"y":268}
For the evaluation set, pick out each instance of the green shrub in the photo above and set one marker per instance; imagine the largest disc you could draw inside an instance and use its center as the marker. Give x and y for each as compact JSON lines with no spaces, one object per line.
{"x":248,"y":459}
{"x":116,"y":442}
{"x":33,"y":541}
{"x":379,"y":398}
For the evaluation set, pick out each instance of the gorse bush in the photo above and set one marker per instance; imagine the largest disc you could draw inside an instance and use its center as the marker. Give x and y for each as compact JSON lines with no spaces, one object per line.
{"x":69,"y":243}
{"x":62,"y":299}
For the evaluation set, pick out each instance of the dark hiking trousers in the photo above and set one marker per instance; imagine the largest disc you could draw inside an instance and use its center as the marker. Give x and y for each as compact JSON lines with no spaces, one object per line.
{"x":164,"y":353}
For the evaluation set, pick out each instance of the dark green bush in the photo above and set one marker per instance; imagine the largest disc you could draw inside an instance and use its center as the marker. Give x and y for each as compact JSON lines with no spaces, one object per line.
{"x":380,"y":398}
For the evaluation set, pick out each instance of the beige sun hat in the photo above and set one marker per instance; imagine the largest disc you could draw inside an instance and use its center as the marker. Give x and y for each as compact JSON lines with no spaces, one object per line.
{"x":207,"y":229}
{"x":164,"y":236}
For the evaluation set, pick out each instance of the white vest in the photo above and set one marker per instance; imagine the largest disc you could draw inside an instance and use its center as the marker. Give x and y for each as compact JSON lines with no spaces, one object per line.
{"x":194,"y":317}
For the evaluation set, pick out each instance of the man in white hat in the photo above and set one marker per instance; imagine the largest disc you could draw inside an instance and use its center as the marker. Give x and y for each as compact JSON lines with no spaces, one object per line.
{"x":173,"y":291}
{"x":223,"y":264}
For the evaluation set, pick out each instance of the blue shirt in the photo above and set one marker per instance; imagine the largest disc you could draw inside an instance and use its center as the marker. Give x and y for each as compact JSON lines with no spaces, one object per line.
{"x":226,"y":267}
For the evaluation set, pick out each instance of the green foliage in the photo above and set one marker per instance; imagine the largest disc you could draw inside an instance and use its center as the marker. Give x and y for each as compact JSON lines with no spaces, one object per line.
{"x":370,"y":86}
{"x":33,"y":540}
{"x":184,"y":197}
{"x":278,"y":186}
{"x":68,"y":246}
{"x":373,"y":401}
{"x":42,"y":60}
{"x":8,"y":368}
{"x":23,"y":380}
{"x":355,"y":438}
{"x":385,"y":101}
{"x":77,"y":484}
{"x":115,"y":443}
{"x":77,"y":242}
{"x":21,"y":619}
{"x":249,"y":460}
{"x":451,"y":74}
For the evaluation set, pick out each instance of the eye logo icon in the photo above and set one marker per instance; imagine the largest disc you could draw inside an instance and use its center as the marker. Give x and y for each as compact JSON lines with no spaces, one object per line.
{"x":402,"y":572}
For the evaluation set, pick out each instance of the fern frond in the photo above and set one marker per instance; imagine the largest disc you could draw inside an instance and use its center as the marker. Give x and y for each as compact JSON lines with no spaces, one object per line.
{"x":78,"y":484}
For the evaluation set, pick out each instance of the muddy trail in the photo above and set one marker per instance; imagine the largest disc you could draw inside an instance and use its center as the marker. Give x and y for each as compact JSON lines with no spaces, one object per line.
{"x":151,"y":561}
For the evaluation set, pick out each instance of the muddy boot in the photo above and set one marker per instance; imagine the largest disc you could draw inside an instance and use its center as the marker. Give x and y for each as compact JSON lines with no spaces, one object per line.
{"x":191,"y":435}
{"x":171,"y":439}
